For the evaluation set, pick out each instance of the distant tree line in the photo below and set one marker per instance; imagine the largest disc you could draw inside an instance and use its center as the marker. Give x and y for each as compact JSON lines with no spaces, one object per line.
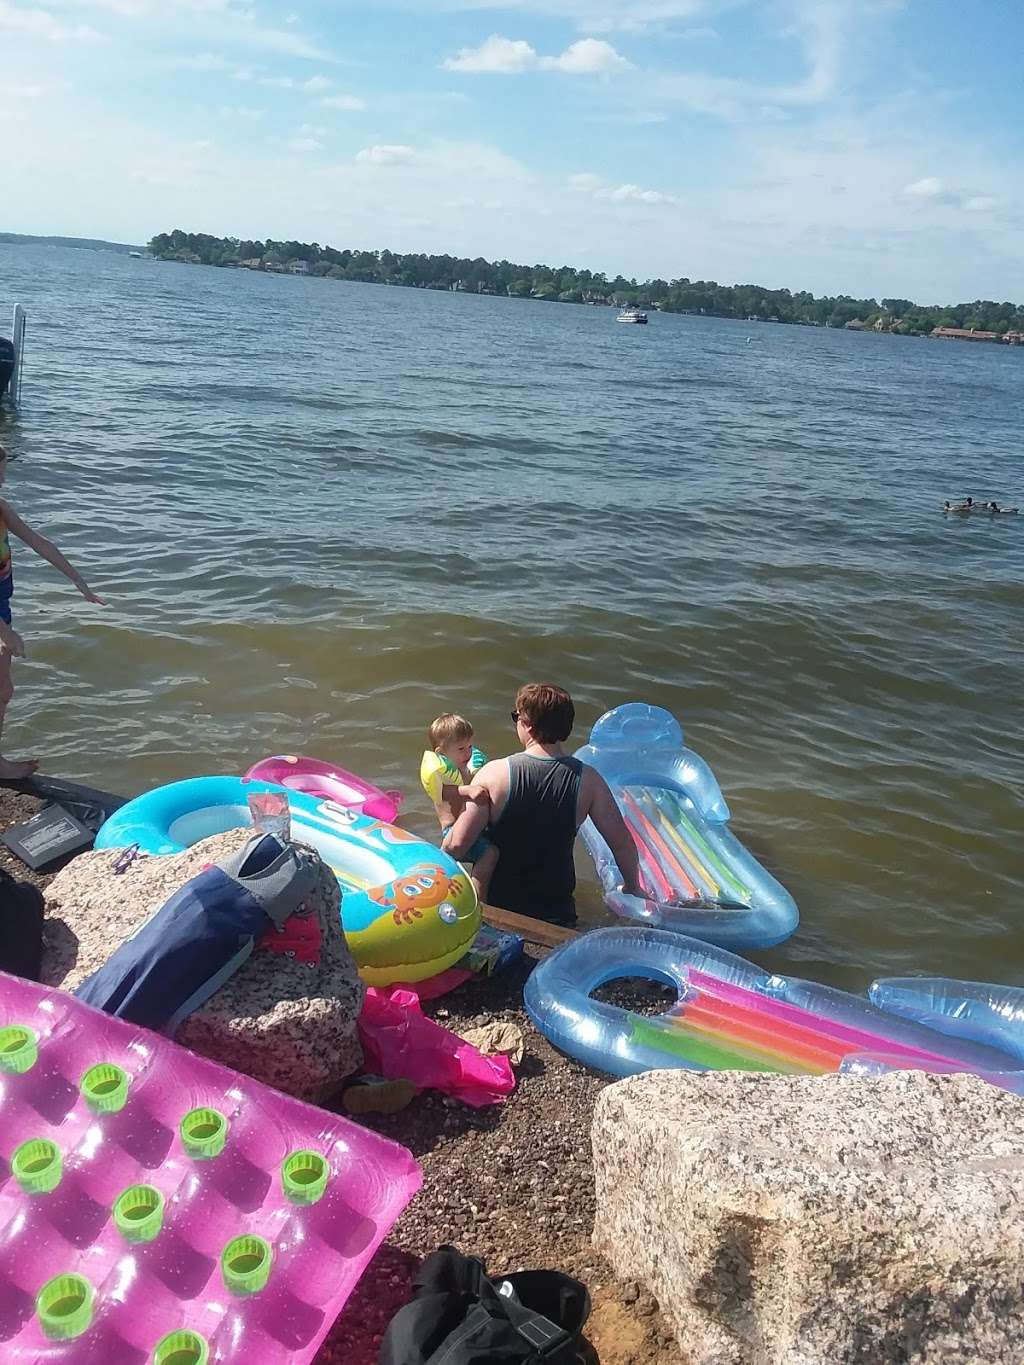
{"x":87,"y":243}
{"x":566,"y":284}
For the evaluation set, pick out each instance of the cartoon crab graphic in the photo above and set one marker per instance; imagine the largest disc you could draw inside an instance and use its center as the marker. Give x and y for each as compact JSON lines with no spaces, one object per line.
{"x":421,"y":888}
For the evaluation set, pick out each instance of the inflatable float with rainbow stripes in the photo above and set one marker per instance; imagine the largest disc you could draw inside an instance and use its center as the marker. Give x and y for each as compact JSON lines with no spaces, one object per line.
{"x":732,"y":1016}
{"x":698,"y":877}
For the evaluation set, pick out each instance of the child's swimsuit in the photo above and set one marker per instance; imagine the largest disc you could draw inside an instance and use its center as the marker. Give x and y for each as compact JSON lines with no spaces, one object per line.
{"x":436,"y":772}
{"x":6,"y":573}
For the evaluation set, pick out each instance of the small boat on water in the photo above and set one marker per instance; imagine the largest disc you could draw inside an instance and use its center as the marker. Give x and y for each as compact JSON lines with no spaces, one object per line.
{"x":632,"y":314}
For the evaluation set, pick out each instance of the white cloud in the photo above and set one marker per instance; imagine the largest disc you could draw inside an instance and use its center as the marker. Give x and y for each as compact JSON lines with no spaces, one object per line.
{"x":931,"y":187}
{"x":496,"y":55}
{"x":303,"y":144}
{"x":588,"y":57}
{"x":829,"y":35}
{"x":349,"y":102}
{"x":633,"y":194}
{"x":512,"y":56}
{"x":601,"y":15}
{"x":40,"y":23}
{"x":936,"y":192}
{"x":227,"y":23}
{"x":313,"y":86}
{"x":385,"y":154}
{"x":587,"y":183}
{"x":143,"y":9}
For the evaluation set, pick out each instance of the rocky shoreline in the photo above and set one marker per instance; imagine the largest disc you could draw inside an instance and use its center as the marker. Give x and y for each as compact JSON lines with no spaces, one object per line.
{"x":512,"y":1183}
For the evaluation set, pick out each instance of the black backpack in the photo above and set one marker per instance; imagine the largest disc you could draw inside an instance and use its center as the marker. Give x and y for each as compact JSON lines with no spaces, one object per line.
{"x":21,"y":928}
{"x":458,"y":1316}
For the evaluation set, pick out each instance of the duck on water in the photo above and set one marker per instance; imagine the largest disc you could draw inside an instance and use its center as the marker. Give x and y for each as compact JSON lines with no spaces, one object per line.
{"x":991,"y":509}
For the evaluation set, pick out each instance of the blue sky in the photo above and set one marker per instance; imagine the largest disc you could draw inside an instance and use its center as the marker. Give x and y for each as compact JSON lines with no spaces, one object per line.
{"x":859,"y":146}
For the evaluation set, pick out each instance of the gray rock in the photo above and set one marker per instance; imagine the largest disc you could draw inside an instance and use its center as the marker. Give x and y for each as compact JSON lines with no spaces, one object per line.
{"x":788,"y":1220}
{"x":290,"y":1024}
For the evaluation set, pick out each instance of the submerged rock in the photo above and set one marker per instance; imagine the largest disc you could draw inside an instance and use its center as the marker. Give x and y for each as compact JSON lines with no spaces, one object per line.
{"x":788,"y":1220}
{"x":289,"y":1024}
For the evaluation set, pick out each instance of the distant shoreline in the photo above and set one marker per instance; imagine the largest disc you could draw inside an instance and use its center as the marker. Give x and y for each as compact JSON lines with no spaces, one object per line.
{"x":981,"y":320}
{"x":78,"y":243}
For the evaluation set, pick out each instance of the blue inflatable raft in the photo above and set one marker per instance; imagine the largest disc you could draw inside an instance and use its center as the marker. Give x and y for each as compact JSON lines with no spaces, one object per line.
{"x":698,"y":877}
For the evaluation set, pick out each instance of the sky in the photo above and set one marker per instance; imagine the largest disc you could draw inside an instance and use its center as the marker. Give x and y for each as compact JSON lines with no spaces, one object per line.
{"x":868,"y":147}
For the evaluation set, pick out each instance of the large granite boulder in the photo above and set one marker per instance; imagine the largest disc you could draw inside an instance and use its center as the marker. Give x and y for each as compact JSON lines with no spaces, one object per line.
{"x":290,"y":1024}
{"x":787,"y":1220}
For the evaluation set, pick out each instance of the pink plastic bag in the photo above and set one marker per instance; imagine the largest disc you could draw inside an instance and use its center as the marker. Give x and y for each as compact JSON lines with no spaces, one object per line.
{"x":401,"y":1043}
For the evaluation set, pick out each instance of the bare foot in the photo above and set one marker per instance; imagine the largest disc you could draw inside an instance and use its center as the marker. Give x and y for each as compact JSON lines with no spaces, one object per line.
{"x":14,"y":769}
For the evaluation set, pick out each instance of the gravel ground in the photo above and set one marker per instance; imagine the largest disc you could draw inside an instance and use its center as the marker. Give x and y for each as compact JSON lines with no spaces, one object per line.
{"x":512,"y":1183}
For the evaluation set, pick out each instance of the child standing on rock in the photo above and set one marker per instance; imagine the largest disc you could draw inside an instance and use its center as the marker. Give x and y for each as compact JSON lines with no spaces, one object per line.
{"x":11,"y":644}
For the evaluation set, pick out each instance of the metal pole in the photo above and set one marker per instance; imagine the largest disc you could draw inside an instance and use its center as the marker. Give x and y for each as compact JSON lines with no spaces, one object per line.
{"x":18,"y":339}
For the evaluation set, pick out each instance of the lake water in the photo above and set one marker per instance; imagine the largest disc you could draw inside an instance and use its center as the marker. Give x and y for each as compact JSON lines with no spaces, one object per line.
{"x":324,"y":512}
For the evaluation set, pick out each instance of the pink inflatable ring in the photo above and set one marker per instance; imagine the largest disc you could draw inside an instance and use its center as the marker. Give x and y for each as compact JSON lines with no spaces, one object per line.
{"x":314,"y":778}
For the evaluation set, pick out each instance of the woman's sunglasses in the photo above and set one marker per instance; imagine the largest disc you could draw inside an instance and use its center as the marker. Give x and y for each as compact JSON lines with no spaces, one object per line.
{"x":515,"y":717}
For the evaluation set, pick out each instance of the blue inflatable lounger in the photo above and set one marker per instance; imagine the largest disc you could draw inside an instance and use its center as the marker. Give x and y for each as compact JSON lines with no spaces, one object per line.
{"x":730,"y":1015}
{"x":698,"y":877}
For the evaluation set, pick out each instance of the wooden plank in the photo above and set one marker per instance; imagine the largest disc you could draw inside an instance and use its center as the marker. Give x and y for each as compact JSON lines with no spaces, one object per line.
{"x":532,"y":930}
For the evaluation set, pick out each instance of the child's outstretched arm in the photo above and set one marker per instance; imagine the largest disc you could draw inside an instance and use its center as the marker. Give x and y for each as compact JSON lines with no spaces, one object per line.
{"x":48,"y":551}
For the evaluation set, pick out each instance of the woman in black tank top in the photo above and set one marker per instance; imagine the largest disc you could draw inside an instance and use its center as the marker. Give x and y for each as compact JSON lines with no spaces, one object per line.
{"x":535,"y":834}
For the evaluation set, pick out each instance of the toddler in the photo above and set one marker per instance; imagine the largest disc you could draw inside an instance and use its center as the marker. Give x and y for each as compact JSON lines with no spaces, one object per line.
{"x":448,"y":766}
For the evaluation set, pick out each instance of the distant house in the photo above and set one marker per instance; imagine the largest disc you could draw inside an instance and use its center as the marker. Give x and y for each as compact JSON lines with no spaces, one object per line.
{"x":855,"y":325}
{"x":275,"y":268}
{"x":963,"y":334}
{"x":298,"y":267}
{"x":253,"y":263}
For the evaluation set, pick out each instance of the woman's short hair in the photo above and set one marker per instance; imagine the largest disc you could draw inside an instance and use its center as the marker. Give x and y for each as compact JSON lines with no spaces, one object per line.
{"x":547,"y":710}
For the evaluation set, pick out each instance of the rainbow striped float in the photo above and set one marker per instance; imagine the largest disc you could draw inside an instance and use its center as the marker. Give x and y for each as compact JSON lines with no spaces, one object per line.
{"x":697,"y":876}
{"x":732,"y":1016}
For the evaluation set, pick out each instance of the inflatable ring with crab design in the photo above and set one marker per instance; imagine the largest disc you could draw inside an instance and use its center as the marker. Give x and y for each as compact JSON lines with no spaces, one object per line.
{"x":408,"y":909}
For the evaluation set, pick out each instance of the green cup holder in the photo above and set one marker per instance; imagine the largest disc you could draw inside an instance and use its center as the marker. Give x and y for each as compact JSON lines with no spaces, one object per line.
{"x":64,"y":1307}
{"x":181,"y":1348}
{"x":204,"y":1133}
{"x":304,"y":1177}
{"x":105,"y":1088}
{"x":19,"y":1048}
{"x":37,"y":1166}
{"x":245,"y":1264}
{"x":139,"y":1213}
